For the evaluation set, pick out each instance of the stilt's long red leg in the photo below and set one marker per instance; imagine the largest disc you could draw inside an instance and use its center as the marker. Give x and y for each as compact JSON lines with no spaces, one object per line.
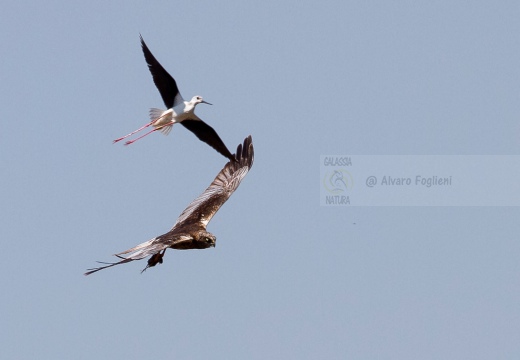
{"x":133,"y":132}
{"x":148,"y":133}
{"x":140,"y":137}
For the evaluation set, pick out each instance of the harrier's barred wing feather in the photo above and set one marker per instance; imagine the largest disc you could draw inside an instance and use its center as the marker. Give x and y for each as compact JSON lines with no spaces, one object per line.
{"x":165,"y":82}
{"x":153,"y":246}
{"x":139,"y":252}
{"x":207,"y":204}
{"x":91,"y":271}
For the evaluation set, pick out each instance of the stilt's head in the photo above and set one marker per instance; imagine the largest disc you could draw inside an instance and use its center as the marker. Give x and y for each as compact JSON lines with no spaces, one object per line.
{"x":198,"y":99}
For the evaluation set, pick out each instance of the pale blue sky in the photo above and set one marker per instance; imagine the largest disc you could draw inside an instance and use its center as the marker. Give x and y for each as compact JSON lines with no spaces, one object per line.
{"x":288,"y":279}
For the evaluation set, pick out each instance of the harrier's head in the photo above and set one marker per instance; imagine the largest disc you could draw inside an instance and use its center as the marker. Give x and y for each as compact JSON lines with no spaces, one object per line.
{"x":204,"y":240}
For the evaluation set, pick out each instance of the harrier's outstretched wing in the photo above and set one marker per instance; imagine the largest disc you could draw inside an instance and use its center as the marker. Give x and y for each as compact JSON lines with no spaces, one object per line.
{"x":151,"y":247}
{"x":202,"y":209}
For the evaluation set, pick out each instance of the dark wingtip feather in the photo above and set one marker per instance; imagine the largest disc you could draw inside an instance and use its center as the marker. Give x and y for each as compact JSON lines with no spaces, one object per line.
{"x":245,"y":153}
{"x":143,"y":44}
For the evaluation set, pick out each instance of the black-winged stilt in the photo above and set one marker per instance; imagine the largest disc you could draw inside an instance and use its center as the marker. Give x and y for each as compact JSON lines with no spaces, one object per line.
{"x":178,"y":110}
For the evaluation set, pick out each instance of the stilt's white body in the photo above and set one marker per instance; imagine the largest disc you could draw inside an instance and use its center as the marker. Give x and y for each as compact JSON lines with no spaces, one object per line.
{"x":163,"y":120}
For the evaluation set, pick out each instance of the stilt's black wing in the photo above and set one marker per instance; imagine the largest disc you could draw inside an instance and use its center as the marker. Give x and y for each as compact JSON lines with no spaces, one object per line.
{"x":165,"y":82}
{"x":207,"y":134}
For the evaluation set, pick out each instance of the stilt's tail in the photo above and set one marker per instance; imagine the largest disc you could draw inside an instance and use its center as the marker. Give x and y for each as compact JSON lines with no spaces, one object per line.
{"x":162,"y":120}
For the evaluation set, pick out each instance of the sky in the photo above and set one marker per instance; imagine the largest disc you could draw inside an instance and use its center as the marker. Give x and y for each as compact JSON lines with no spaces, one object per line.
{"x":288,"y":278}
